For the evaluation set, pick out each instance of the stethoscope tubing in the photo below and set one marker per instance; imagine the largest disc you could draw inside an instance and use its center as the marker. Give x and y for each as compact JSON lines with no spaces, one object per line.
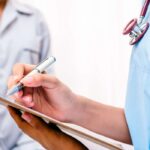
{"x":144,"y":8}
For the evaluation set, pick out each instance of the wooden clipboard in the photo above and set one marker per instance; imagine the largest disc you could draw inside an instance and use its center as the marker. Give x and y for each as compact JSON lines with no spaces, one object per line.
{"x":64,"y":126}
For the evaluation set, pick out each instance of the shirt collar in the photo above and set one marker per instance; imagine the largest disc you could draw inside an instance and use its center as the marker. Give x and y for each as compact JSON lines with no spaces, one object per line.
{"x":12,"y":10}
{"x":21,"y":8}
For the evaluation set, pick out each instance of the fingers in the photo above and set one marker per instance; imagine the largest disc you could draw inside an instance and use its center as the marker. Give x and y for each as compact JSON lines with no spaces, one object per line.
{"x":23,"y":125}
{"x":38,"y":123}
{"x":47,"y":136}
{"x":27,"y":98}
{"x":22,"y":69}
{"x":19,"y":71}
{"x":13,"y":80}
{"x":37,"y":80}
{"x":26,"y":101}
{"x":48,"y":130}
{"x":16,"y":114}
{"x":25,"y":121}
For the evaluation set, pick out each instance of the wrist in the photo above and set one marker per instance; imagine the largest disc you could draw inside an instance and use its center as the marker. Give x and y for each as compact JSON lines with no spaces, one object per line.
{"x":79,"y":113}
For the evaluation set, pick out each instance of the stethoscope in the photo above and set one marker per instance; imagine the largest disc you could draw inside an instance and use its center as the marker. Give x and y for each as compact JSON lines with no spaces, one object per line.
{"x":136,"y":28}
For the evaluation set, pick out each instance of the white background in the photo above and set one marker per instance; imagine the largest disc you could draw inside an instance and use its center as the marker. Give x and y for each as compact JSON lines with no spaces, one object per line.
{"x":86,"y":38}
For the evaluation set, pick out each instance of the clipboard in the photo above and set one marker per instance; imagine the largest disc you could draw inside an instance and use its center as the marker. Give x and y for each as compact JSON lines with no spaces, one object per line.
{"x":8,"y":102}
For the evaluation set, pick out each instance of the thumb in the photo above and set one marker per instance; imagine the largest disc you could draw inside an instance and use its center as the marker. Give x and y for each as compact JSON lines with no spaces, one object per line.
{"x":37,"y":80}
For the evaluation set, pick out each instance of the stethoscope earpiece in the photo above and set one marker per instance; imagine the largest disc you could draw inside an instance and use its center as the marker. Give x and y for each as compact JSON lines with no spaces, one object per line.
{"x":137,"y":28}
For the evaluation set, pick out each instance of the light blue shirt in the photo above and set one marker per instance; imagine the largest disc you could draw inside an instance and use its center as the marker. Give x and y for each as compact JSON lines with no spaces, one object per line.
{"x":137,"y":108}
{"x":24,"y":37}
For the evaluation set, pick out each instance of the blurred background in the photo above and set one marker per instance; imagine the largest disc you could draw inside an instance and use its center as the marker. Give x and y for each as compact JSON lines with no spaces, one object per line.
{"x":86,"y":38}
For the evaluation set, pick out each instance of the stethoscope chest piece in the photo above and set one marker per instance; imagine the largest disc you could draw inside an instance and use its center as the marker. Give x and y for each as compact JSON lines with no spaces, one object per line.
{"x":136,"y":28}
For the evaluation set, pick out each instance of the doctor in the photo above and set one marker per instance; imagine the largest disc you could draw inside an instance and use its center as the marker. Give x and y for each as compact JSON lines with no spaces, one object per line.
{"x":50,"y":96}
{"x":24,"y":37}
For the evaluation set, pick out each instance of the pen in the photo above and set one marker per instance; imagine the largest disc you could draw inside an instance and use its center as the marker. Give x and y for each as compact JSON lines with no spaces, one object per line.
{"x":38,"y":69}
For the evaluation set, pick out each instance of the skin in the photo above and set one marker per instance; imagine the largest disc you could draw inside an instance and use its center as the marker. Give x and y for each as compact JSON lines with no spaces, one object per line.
{"x":50,"y":134}
{"x":2,"y":6}
{"x":48,"y":95}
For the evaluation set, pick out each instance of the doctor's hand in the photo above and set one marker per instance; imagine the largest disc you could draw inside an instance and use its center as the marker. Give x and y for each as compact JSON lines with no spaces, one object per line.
{"x":48,"y":135}
{"x":46,"y":94}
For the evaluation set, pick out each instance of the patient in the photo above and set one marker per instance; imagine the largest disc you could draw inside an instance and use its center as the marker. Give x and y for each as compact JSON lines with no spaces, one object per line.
{"x":24,"y":37}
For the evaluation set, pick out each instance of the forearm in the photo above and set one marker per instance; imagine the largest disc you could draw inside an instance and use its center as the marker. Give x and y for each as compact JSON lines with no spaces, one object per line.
{"x":103,"y":119}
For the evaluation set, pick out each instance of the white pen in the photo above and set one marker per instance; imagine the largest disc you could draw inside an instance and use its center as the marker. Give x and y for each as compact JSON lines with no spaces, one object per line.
{"x":38,"y":69}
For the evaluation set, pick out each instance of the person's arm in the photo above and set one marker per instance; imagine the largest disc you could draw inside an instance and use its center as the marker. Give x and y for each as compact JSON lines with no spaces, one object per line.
{"x":45,"y":93}
{"x":48,"y":135}
{"x":103,"y":119}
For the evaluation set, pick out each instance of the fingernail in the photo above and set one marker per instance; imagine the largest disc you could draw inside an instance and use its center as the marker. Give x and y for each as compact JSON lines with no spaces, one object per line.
{"x":28,"y":80}
{"x":26,"y":117}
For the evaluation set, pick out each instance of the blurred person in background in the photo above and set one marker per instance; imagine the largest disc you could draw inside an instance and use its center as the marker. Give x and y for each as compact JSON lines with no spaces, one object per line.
{"x":24,"y":37}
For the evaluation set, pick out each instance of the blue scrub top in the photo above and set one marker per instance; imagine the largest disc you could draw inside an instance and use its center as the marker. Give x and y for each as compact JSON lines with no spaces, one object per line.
{"x":137,"y":108}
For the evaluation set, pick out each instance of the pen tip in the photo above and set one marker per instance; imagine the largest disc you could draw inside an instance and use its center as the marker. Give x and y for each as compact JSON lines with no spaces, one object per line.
{"x":12,"y":91}
{"x":8,"y":93}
